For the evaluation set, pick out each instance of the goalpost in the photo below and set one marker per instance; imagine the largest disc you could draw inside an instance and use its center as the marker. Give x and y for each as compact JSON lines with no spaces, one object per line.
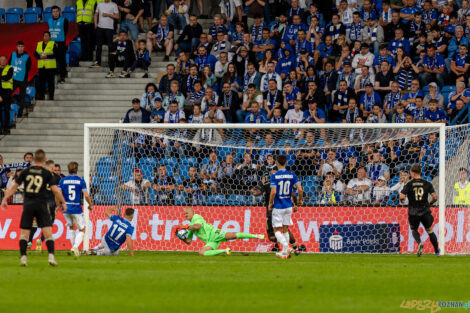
{"x":227,"y":187}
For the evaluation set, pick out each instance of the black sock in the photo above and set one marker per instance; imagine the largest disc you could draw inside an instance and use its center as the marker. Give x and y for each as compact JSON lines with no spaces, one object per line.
{"x":433,"y":239}
{"x":416,"y":236}
{"x":31,"y":234}
{"x":50,"y":245}
{"x":42,"y":237}
{"x":23,"y":246}
{"x":292,"y":240}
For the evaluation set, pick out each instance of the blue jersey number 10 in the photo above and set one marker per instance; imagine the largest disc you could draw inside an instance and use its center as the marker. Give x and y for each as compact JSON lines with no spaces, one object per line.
{"x":284,"y":188}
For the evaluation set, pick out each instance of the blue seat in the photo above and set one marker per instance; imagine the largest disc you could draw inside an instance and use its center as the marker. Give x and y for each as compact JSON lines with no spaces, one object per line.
{"x":178,"y":180}
{"x":70,"y":13}
{"x":180,"y":199}
{"x":128,"y":166}
{"x":184,"y":171}
{"x":448,"y":89}
{"x":2,"y":15}
{"x":75,"y":47}
{"x":14,"y":15}
{"x":121,"y":153}
{"x":310,"y":188}
{"x":104,"y":167}
{"x":312,"y":178}
{"x":108,"y":186}
{"x":222,"y":152}
{"x":169,"y":161}
{"x":237,"y":200}
{"x":31,"y":15}
{"x":30,"y":94}
{"x":216,"y":200}
{"x":205,"y":161}
{"x":148,"y":166}
{"x":189,"y":161}
{"x":95,"y":181}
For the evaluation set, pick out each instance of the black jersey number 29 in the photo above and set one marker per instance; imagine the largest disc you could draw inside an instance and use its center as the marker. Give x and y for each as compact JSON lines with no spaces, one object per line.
{"x":34,"y":183}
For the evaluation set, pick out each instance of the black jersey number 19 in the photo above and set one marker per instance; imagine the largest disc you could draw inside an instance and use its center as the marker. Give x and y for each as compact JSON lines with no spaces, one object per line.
{"x":33,"y":181}
{"x":419,"y":192}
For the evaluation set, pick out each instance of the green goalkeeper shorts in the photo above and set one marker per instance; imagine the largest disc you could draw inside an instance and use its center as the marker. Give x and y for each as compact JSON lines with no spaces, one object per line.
{"x":215,"y":238}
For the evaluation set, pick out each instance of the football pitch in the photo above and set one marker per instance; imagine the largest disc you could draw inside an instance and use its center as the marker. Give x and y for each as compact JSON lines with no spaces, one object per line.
{"x":185,"y":282}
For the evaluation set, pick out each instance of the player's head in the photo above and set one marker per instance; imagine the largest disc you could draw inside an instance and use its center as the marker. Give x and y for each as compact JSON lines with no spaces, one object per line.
{"x":50,"y":165}
{"x":281,"y":160}
{"x":39,"y":156}
{"x":188,"y":213}
{"x":415,"y":171}
{"x":129,"y":214}
{"x":73,"y":168}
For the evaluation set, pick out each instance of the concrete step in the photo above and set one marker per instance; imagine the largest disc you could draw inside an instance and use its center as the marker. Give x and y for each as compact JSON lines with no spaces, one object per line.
{"x":66,"y":121}
{"x":79,"y":109}
{"x":26,"y":142}
{"x":120,"y":97}
{"x":40,"y":126}
{"x":23,"y":131}
{"x":115,"y":81}
{"x":105,"y":69}
{"x":157,"y":61}
{"x":130,"y":84}
{"x":57,"y":136}
{"x":92,"y":92}
{"x":83,"y":103}
{"x":102,"y":75}
{"x":84,"y":115}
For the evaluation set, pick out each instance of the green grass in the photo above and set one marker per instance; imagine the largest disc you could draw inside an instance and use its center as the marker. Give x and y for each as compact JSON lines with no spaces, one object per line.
{"x":184,"y":282}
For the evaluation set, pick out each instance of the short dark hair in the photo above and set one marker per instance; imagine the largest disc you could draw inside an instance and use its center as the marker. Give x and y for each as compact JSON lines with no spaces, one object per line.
{"x":49,"y":162}
{"x":54,"y":7}
{"x":39,"y":156}
{"x":281,"y":159}
{"x":27,"y":153}
{"x":416,"y":168}
{"x":46,"y":32}
{"x":129,"y":212}
{"x":20,"y":43}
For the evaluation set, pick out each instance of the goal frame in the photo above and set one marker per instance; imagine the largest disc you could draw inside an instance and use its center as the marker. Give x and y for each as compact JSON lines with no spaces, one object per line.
{"x":440,"y":127}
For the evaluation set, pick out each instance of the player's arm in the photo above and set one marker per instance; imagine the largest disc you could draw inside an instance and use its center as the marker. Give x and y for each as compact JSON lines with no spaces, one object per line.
{"x":272,"y":195}
{"x":130,"y":245}
{"x":10,"y":192}
{"x":195,"y":227}
{"x":434,"y":198}
{"x":402,"y":197}
{"x":58,"y":194}
{"x":300,"y":190}
{"x":88,"y":199}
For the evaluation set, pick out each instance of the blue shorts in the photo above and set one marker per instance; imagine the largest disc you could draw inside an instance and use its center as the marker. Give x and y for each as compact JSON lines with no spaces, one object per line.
{"x":133,"y":29}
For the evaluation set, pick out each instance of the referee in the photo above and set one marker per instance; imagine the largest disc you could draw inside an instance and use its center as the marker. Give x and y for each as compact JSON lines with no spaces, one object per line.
{"x":36,"y":179}
{"x":417,"y":190}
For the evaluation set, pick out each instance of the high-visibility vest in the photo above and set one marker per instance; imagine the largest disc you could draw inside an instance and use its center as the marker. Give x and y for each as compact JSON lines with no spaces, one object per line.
{"x":8,"y":84}
{"x":85,"y":13}
{"x":46,"y":63}
{"x":462,"y":195}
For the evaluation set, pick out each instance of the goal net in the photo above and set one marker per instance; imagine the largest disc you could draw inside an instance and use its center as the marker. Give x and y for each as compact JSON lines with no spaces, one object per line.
{"x":351,"y":175}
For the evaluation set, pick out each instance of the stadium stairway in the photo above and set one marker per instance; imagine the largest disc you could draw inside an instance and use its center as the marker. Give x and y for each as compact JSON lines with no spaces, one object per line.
{"x":86,"y":97}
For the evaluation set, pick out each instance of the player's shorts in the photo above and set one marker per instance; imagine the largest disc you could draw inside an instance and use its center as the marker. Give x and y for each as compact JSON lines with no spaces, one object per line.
{"x":216,"y":238}
{"x":77,"y":219}
{"x":35,"y":209}
{"x":104,"y":249}
{"x":427,"y":220}
{"x":282,"y":217}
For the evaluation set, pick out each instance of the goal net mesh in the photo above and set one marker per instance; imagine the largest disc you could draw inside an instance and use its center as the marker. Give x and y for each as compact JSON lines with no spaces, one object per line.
{"x":351,"y":180}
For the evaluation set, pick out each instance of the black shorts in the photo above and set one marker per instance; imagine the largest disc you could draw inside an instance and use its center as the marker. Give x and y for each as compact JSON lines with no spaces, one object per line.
{"x":38,"y":210}
{"x":269,"y":223}
{"x":427,"y":220}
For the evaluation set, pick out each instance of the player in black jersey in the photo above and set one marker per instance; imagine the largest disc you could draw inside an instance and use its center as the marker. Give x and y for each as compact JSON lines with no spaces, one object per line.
{"x":52,"y":203}
{"x":264,"y":188}
{"x":417,"y":190}
{"x":36,"y":179}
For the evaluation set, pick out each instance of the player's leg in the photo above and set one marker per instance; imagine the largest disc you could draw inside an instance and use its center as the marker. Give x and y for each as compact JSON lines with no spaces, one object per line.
{"x":34,"y":228}
{"x":44,"y":221}
{"x":24,"y":245}
{"x":79,"y":220}
{"x":286,"y":222}
{"x":69,"y":222}
{"x":427,"y":221}
{"x":210,"y":249}
{"x":414,"y":225}
{"x":26,"y":222}
{"x":233,"y":236}
{"x":277,"y":216}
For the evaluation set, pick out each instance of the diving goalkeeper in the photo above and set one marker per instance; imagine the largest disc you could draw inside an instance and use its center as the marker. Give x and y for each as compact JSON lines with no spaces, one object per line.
{"x":208,"y":233}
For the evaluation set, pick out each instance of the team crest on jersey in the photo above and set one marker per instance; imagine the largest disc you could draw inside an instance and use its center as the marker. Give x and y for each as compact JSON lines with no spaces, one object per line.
{"x":336,"y":241}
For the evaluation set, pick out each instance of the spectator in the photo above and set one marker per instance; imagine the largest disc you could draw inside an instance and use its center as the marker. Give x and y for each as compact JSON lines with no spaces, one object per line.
{"x":251,"y":97}
{"x":369,"y":99}
{"x":232,"y":9}
{"x":193,"y":98}
{"x":377,"y":168}
{"x":409,"y":98}
{"x":377,"y":115}
{"x":337,"y":184}
{"x":359,"y":189}
{"x":457,"y":117}
{"x":433,"y":68}
{"x":398,"y":187}
{"x":461,"y":188}
{"x":208,"y":78}
{"x":241,"y":61}
{"x":164,"y":185}
{"x":229,"y":103}
{"x":191,"y":79}
{"x":137,"y":114}
{"x":173,"y":96}
{"x":363,"y":80}
{"x":142,"y":59}
{"x":183,"y":64}
{"x":209,"y":172}
{"x":197,"y":117}
{"x":194,"y":187}
{"x":131,"y":11}
{"x":429,"y":156}
{"x":328,"y":195}
{"x":405,"y":72}
{"x":21,"y":63}
{"x":433,"y":95}
{"x":6,"y":89}
{"x":460,"y":93}
{"x":381,"y":192}
{"x":290,"y":95}
{"x":189,"y":38}
{"x":246,"y":173}
{"x":158,"y":113}
{"x":384,"y":80}
{"x":161,"y":37}
{"x":105,"y":15}
{"x":221,"y":66}
{"x":204,"y":59}
{"x":313,"y":114}
{"x":285,"y":63}
{"x":264,"y":44}
{"x":417,"y":110}
{"x":331,"y":164}
{"x":149,"y":97}
{"x":270,"y":74}
{"x":415,"y":27}
{"x":178,"y":15}
{"x":352,"y":113}
{"x":295,"y":115}
{"x":435,"y":114}
{"x":174,"y":114}
{"x":58,"y":28}
{"x":137,"y":187}
{"x":221,"y":45}
{"x":58,"y":171}
{"x":373,"y":34}
{"x":347,"y":75}
{"x":350,"y":169}
{"x":210,"y":98}
{"x":459,"y":65}
{"x":121,"y":54}
{"x":214,"y":29}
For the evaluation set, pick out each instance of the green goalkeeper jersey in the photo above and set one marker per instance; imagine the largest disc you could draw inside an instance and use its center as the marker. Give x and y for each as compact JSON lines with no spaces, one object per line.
{"x":207,"y":233}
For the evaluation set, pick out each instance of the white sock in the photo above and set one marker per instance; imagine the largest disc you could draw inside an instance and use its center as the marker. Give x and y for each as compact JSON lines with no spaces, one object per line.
{"x":281,"y":239}
{"x":72,"y":237}
{"x":287,"y":238}
{"x":78,"y":239}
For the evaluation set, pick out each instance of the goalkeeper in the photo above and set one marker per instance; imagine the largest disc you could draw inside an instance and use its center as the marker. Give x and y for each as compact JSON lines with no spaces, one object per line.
{"x":211,"y":235}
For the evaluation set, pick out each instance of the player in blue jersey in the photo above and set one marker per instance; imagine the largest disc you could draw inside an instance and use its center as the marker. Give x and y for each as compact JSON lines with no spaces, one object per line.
{"x":73,"y":187}
{"x":283,"y":183}
{"x":120,"y":231}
